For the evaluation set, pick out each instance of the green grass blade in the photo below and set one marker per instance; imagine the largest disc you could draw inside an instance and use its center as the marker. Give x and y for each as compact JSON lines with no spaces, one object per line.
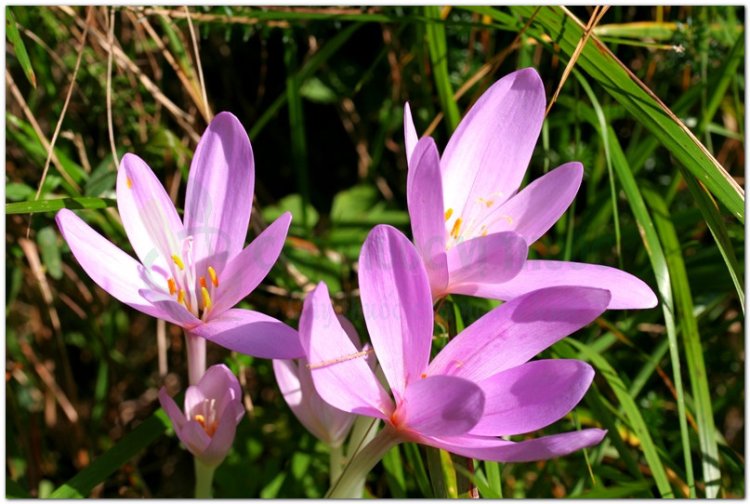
{"x":394,"y":473}
{"x":633,"y":413}
{"x":604,"y":67}
{"x":710,"y":212}
{"x":414,"y":458}
{"x":439,"y":58}
{"x":691,"y":338}
{"x":100,"y":469}
{"x":53,"y":205}
{"x":312,"y":65}
{"x":659,"y":264}
{"x":297,"y":130}
{"x":14,"y":37}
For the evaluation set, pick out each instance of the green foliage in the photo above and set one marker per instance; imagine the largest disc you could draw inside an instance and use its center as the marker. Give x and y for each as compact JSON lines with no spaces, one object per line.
{"x":654,"y":109}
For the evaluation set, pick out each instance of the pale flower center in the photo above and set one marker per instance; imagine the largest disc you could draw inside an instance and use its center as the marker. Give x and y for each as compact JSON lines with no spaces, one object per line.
{"x":205,"y":415}
{"x":197,"y":299}
{"x":481,"y":216}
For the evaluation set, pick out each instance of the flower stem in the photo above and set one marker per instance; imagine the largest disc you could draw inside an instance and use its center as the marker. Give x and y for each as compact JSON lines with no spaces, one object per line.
{"x":336,"y":464}
{"x":361,"y":464}
{"x":204,"y":477}
{"x":196,"y":356}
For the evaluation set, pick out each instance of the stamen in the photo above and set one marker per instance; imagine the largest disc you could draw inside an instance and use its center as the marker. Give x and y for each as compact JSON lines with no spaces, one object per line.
{"x":424,"y":375}
{"x":172,"y":286}
{"x":129,"y":182}
{"x":214,"y":278}
{"x":181,"y":297}
{"x":202,"y":281}
{"x":178,"y":261}
{"x":210,"y":429}
{"x":448,"y":214}
{"x":456,"y":228}
{"x":206,"y":299}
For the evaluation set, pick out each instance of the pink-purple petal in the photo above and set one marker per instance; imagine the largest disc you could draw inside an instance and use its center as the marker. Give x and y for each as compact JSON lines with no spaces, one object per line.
{"x":514,"y":332}
{"x":251,"y":333}
{"x":247,"y":269}
{"x":441,"y":405}
{"x":532,"y":396}
{"x":628,"y":291}
{"x":325,"y":422}
{"x":397,"y":305}
{"x":109,"y":267}
{"x":424,"y":195}
{"x":220,"y":192}
{"x":339,"y":370}
{"x":170,"y":310}
{"x":539,"y":205}
{"x":410,"y":134}
{"x":218,"y":383}
{"x":221,"y":441}
{"x":170,"y":407}
{"x":490,"y":150}
{"x":494,"y":258}
{"x":498,"y":450}
{"x":148,"y":215}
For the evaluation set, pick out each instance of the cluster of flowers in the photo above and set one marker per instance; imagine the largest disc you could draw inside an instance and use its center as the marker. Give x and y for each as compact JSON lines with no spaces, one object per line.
{"x":472,"y":228}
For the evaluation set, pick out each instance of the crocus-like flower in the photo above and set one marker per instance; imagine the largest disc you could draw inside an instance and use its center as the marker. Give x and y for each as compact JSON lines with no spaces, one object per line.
{"x":213,"y":409}
{"x":329,"y":424}
{"x":192,"y":272}
{"x":472,"y":226}
{"x":479,"y":386}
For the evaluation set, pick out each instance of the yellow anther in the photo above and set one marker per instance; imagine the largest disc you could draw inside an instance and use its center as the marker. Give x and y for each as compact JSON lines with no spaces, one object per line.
{"x":424,"y":375}
{"x":172,"y":286}
{"x":206,"y":298}
{"x":178,"y":262}
{"x":456,"y":228}
{"x":129,"y":182}
{"x":508,"y":219}
{"x":214,"y":278}
{"x":181,"y":296}
{"x":210,"y":429}
{"x":448,"y":214}
{"x":202,"y":281}
{"x":486,"y":202}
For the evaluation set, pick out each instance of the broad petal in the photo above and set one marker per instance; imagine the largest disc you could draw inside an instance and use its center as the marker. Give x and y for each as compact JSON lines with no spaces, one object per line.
{"x":170,"y":407}
{"x":539,"y":205}
{"x":396,"y":304}
{"x":220,"y":192}
{"x":252,"y":333}
{"x":339,"y":371}
{"x":514,"y":332}
{"x":170,"y":310}
{"x":546,"y":447}
{"x":490,"y":150}
{"x":442,"y":405}
{"x":109,"y":267}
{"x":193,"y":437}
{"x":410,"y":133}
{"x":494,"y":258}
{"x":247,"y":269}
{"x":148,"y":215}
{"x":532,"y":396}
{"x":424,"y":194}
{"x":221,"y":441}
{"x":325,"y":422}
{"x":628,"y":291}
{"x":215,"y":383}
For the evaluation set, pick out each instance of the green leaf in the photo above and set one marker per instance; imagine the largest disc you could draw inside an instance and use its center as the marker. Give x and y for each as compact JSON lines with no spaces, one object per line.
{"x":53,"y":205}
{"x":604,"y":67}
{"x":17,"y":42}
{"x":101,"y":468}
{"x":47,"y":240}
{"x":439,"y":58}
{"x":692,"y":343}
{"x":317,"y":91}
{"x":292,"y":203}
{"x":18,"y":192}
{"x":661,"y":269}
{"x":616,"y":492}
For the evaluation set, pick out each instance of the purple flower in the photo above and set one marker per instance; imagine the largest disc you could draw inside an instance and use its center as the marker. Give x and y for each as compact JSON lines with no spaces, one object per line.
{"x":471,"y":224}
{"x":329,"y":424}
{"x":213,"y":409}
{"x":481,"y":385}
{"x":192,"y":272}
